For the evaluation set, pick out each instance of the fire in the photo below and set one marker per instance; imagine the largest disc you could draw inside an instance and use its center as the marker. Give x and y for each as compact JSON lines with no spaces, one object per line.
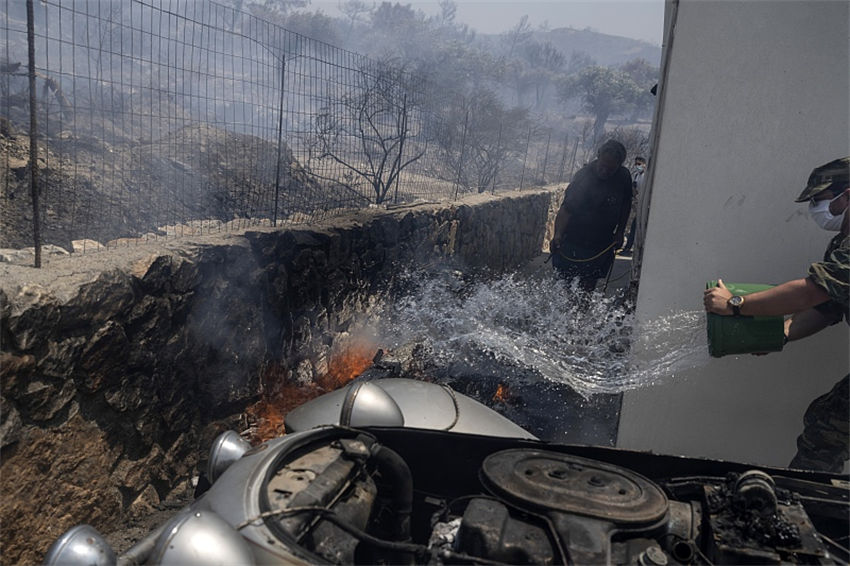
{"x":502,"y":394}
{"x":265,"y":417}
{"x":346,"y":366}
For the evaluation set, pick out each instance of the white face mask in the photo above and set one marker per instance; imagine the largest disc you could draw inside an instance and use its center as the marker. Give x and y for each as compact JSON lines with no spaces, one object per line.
{"x":819,"y":211}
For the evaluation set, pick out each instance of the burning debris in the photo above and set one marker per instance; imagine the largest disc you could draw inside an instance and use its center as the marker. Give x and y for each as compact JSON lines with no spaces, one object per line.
{"x":502,"y":394}
{"x":280,"y":394}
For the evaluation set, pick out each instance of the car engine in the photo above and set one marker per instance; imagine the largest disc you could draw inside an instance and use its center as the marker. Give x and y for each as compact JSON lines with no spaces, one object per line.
{"x":409,"y":472}
{"x":356,"y":500}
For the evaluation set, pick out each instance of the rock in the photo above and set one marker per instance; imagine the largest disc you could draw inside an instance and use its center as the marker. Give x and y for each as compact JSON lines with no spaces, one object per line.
{"x":145,"y":503}
{"x":320,"y":365}
{"x":129,"y":395}
{"x":15,"y":372}
{"x":34,"y":316}
{"x":86,"y":245}
{"x":124,"y":242}
{"x":103,"y":357}
{"x":303,"y":374}
{"x":48,"y":488}
{"x":135,"y":475}
{"x":10,"y":423}
{"x":106,"y":298}
{"x":19,"y":257}
{"x":180,"y":462}
{"x":62,"y":357}
{"x":186,"y":276}
{"x":50,"y":250}
{"x":155,"y":271}
{"x":302,"y":334}
{"x":16,"y":163}
{"x":43,"y":400}
{"x":150,"y":323}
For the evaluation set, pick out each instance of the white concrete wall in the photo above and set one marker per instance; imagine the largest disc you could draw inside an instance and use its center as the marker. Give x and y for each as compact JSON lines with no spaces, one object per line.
{"x":754,"y":96}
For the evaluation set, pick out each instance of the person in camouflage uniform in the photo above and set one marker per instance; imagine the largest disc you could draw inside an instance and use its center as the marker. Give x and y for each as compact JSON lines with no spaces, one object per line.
{"x":815,"y":302}
{"x":823,"y":445}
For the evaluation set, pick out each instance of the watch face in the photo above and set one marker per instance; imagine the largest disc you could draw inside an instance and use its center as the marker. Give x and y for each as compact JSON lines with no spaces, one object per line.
{"x":736,"y":301}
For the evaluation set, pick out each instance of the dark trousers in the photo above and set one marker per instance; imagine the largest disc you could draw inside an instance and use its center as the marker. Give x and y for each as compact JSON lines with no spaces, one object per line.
{"x":587,"y":271}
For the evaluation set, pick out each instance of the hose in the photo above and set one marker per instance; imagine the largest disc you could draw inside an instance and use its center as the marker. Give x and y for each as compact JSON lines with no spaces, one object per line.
{"x":396,"y":473}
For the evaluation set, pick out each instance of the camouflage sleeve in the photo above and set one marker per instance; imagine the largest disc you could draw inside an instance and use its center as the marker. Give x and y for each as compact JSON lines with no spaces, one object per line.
{"x":833,"y":274}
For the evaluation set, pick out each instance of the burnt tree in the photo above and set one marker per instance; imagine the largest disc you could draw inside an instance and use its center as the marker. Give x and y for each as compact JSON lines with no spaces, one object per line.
{"x":365,"y":134}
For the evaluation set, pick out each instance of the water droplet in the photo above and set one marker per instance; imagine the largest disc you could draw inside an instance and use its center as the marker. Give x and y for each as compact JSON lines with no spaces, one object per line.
{"x":541,"y":324}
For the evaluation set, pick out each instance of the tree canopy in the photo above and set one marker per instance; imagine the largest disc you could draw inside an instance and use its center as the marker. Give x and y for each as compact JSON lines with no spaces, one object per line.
{"x":554,"y":73}
{"x":603,"y":91}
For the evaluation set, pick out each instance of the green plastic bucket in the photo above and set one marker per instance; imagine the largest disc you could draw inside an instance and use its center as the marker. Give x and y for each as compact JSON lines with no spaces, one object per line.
{"x":744,"y":334}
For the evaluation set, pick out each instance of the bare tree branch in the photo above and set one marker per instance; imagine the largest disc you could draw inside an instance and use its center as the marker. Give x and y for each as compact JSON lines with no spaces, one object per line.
{"x":375,"y":118}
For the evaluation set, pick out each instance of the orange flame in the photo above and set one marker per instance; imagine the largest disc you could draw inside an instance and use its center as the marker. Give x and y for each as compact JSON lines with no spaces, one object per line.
{"x":502,"y":394}
{"x":265,"y":417}
{"x":347,"y":365}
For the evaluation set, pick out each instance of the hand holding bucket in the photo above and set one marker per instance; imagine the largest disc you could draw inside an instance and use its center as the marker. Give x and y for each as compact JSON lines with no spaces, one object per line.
{"x":739,"y":334}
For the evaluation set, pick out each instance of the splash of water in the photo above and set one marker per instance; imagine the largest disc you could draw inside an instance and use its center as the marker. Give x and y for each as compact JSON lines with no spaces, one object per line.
{"x":543,"y":324}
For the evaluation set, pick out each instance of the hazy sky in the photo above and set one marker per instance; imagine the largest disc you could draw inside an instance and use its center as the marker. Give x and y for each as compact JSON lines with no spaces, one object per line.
{"x":638,"y":19}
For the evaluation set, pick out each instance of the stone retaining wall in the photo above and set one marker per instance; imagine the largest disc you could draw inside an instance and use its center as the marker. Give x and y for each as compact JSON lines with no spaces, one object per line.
{"x":119,"y":368}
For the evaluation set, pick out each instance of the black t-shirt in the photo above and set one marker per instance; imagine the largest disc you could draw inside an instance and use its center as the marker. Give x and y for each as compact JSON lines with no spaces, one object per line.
{"x":595,"y":206}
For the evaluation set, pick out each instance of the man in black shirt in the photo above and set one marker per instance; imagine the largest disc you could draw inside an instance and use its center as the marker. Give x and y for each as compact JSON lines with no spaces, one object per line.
{"x":592,"y":219}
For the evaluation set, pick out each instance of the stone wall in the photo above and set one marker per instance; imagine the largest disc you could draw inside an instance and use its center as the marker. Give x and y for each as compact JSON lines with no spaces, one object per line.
{"x":119,"y":368}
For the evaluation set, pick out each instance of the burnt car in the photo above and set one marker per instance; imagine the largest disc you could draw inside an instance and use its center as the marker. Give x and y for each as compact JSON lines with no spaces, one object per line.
{"x":403,"y":472}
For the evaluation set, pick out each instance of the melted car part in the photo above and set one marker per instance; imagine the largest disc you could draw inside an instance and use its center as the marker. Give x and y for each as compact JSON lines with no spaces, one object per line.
{"x":769,"y":520}
{"x":750,"y":522}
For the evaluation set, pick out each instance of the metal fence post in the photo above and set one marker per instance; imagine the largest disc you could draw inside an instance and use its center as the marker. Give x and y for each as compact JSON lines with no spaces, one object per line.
{"x":401,"y":145}
{"x":546,"y":158}
{"x":573,"y":159}
{"x":498,"y":150}
{"x":462,"y":148}
{"x":34,"y":187}
{"x":563,"y":158}
{"x":279,"y":138}
{"x":525,"y":159}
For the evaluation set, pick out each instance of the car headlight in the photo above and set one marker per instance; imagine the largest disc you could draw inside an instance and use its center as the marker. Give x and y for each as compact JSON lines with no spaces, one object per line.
{"x":200,"y":537}
{"x":80,"y":546}
{"x":226,"y":449}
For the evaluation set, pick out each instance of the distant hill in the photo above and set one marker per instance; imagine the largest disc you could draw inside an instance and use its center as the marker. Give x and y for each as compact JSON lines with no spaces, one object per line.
{"x":606,"y":50}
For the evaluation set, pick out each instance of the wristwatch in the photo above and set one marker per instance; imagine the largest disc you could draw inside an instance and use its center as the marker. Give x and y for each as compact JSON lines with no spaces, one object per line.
{"x":736,"y":302}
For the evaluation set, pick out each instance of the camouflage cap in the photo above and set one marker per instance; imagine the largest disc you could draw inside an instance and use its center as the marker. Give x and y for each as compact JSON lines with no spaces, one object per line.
{"x":821,"y":178}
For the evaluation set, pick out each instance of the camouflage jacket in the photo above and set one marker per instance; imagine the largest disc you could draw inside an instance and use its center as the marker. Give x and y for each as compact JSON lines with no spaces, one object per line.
{"x":833,"y":275}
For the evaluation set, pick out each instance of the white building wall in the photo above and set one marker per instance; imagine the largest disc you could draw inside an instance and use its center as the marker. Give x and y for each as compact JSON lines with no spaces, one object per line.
{"x":754,"y":96}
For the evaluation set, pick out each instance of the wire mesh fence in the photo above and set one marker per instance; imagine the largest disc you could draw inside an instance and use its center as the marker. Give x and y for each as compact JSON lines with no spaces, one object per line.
{"x":161,"y":118}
